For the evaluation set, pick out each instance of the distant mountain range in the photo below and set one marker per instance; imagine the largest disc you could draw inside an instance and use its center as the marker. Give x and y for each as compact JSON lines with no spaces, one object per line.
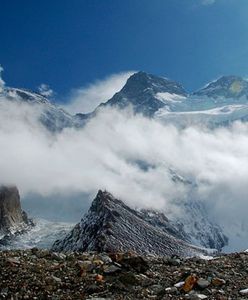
{"x":219,"y":103}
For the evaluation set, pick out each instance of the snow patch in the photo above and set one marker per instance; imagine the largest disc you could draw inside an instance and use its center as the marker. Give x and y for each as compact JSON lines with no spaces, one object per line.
{"x":165,"y":97}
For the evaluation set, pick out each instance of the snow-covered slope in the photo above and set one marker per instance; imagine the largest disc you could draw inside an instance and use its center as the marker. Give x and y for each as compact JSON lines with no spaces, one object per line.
{"x":214,"y":117}
{"x":112,"y":226}
{"x":193,"y":219}
{"x":50,"y":115}
{"x":219,"y":103}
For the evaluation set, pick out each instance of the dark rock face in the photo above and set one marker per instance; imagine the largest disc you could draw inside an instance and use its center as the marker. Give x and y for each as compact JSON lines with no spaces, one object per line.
{"x":12,"y":218}
{"x":140,"y":92}
{"x":112,"y":226}
{"x":226,"y":87}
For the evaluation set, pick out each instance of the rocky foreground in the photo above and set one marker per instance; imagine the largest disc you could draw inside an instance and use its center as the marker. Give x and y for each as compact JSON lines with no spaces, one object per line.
{"x":42,"y":274}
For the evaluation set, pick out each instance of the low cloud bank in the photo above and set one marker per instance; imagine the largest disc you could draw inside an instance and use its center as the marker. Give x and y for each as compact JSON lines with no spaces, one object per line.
{"x":130,"y":156}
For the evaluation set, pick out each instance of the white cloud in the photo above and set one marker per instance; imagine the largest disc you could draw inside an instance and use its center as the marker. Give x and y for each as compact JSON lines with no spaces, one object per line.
{"x":2,"y":83}
{"x":45,"y":90}
{"x":87,"y":98}
{"x":105,"y":155}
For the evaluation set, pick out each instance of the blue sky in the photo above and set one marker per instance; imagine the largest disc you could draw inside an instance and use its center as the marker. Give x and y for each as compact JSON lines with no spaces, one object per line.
{"x":68,"y":44}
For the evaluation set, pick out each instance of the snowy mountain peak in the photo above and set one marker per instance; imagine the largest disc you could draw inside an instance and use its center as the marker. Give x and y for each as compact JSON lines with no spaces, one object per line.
{"x":147,"y":93}
{"x":226,"y":86}
{"x":143,"y":82}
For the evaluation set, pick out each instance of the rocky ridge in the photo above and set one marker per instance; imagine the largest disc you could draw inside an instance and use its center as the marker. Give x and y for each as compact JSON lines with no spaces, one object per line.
{"x":112,"y":226}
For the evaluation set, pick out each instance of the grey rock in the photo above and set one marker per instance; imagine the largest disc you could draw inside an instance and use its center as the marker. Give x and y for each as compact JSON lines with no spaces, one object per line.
{"x":111,"y":269}
{"x":12,"y":218}
{"x":203,"y":283}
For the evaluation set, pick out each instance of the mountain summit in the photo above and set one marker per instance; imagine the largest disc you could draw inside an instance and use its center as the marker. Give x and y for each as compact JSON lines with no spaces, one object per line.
{"x":147,"y":93}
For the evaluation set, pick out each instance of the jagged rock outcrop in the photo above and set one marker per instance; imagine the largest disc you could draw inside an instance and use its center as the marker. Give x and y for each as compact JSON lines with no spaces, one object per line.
{"x":112,"y":226}
{"x":12,"y":218}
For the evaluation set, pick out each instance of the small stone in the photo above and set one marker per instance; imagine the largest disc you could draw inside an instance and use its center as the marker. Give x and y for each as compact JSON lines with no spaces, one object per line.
{"x":56,"y":279}
{"x":99,"y":278}
{"x":128,"y":278}
{"x":218,"y":281}
{"x":111,"y":269}
{"x":203,"y":283}
{"x":174,"y":261}
{"x":197,"y":297}
{"x":179,"y":284}
{"x":14,"y":261}
{"x":156,"y":288}
{"x":85,"y":265}
{"x":171,"y":290}
{"x":58,"y":256}
{"x":243,"y":292}
{"x":98,"y":262}
{"x":105,"y":258}
{"x":138,"y":263}
{"x":143,"y":280}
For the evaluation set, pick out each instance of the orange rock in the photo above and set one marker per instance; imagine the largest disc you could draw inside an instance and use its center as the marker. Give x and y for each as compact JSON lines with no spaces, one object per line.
{"x":99,"y":278}
{"x":218,"y":281}
{"x":189,"y":283}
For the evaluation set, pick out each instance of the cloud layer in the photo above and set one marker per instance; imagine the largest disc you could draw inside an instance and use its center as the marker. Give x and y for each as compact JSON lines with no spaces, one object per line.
{"x":131,"y":157}
{"x":87,"y":98}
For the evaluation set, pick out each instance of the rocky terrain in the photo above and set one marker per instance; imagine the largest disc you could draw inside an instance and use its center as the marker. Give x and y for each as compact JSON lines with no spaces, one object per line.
{"x":112,"y":226}
{"x":42,"y":274}
{"x":13,"y":220}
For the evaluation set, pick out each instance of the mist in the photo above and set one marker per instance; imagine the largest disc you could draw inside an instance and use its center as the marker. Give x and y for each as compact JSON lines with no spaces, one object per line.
{"x":131,"y":157}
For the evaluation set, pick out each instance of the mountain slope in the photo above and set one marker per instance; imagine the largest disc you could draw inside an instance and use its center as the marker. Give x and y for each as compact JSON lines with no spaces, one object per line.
{"x":112,"y":226}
